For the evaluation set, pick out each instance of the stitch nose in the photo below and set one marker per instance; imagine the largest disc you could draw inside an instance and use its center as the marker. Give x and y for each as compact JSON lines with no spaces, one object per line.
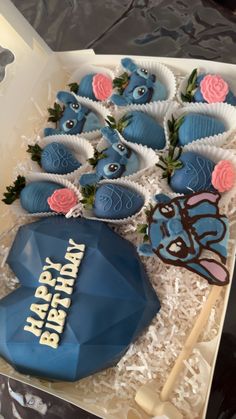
{"x":175,"y":226}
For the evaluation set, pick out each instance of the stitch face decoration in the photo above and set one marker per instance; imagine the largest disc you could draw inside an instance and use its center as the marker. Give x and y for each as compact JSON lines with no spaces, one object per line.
{"x":115,"y":161}
{"x":180,"y":229}
{"x":137,"y":87}
{"x":73,"y":118}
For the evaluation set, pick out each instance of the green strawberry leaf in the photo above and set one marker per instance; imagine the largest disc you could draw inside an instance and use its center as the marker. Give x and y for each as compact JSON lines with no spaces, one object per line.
{"x":13,"y":192}
{"x":35,"y":151}
{"x":98,"y":155}
{"x":74,"y":87}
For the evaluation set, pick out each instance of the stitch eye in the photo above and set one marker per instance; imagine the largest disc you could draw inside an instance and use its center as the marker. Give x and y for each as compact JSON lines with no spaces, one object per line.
{"x":75,"y":107}
{"x":69,"y":124}
{"x":143,"y":72}
{"x":121,"y":149}
{"x":111,"y":169}
{"x":167,"y":210}
{"x":139,"y":92}
{"x":178,"y":248}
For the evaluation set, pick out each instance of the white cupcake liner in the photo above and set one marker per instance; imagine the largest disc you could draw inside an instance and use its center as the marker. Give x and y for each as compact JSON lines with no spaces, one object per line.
{"x":33,"y":177}
{"x":96,"y":107}
{"x":87,"y":69}
{"x":224,"y":112}
{"x":162,"y":73}
{"x":121,"y":182}
{"x":79,"y":146}
{"x":184,"y":82}
{"x":157,"y":110}
{"x":216,"y":154}
{"x":147,"y":157}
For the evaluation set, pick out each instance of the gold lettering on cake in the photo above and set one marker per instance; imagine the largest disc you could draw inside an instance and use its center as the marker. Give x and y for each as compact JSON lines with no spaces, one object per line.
{"x":52,"y":317}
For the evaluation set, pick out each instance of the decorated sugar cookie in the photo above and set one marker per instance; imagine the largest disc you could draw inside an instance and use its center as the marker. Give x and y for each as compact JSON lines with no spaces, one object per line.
{"x":179,"y":230}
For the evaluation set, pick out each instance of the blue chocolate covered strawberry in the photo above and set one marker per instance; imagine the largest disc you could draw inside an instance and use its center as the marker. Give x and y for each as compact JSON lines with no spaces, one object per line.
{"x":54,"y":158}
{"x":208,"y":88}
{"x":40,"y":196}
{"x":188,"y":172}
{"x":95,"y":86}
{"x":141,"y":128}
{"x":192,"y":127}
{"x":112,"y":201}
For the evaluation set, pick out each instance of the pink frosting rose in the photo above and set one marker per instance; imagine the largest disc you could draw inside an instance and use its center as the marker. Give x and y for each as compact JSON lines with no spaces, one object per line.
{"x":223,"y":176}
{"x":214,"y":88}
{"x":102,"y":86}
{"x":62,"y":200}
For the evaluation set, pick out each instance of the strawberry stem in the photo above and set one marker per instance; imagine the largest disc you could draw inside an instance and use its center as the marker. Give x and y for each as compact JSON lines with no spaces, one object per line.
{"x":35,"y":151}
{"x":191,"y":87}
{"x":13,"y":191}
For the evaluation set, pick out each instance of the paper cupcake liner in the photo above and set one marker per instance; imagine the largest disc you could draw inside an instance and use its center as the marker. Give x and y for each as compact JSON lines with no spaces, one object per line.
{"x":131,"y":185}
{"x":32,"y":177}
{"x":157,"y":110}
{"x":87,"y":69}
{"x":216,"y":154}
{"x":224,"y":112}
{"x":162,"y":73}
{"x":147,"y":157}
{"x":184,"y":82}
{"x":80,"y":147}
{"x":96,"y":107}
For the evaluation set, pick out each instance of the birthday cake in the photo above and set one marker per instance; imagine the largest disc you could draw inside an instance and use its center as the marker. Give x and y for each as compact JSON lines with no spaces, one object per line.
{"x":85,"y":297}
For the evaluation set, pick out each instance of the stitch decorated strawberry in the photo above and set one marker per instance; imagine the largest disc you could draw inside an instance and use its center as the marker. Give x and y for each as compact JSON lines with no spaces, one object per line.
{"x":141,"y":128}
{"x":95,"y":86}
{"x":192,"y":127}
{"x":208,"y":88}
{"x":36,"y":196}
{"x":54,"y":158}
{"x":112,"y":201}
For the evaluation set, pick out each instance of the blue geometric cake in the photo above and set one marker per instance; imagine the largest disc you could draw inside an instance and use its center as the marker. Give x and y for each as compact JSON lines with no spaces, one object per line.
{"x":83,"y":298}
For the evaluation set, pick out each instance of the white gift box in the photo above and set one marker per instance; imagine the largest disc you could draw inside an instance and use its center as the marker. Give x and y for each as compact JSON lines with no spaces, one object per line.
{"x":28,"y":89}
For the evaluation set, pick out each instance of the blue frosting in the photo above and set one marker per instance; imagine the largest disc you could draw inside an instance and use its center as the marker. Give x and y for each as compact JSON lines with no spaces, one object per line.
{"x":86,"y":87}
{"x":196,"y":126}
{"x":116,"y":201}
{"x":194,"y":176}
{"x":198,"y":97}
{"x":144,"y":129}
{"x":111,"y":304}
{"x":33,"y":197}
{"x":181,"y":228}
{"x":57,"y":158}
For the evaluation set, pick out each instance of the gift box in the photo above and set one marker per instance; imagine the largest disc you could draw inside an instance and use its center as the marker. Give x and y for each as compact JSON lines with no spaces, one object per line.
{"x":28,"y":89}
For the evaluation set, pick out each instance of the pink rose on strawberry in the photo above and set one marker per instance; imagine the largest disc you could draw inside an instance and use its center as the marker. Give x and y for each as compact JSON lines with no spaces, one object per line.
{"x":223,"y":176}
{"x":102,"y":86}
{"x":214,"y":88}
{"x":62,"y":200}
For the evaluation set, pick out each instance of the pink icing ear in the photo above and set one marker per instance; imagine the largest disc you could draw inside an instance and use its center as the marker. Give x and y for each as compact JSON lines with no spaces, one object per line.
{"x":204,"y":196}
{"x":218,"y":271}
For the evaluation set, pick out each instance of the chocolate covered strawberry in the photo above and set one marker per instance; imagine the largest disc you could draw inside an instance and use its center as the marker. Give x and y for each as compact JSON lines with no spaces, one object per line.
{"x":112,"y":201}
{"x":141,"y":128}
{"x":207,"y":88}
{"x":40,"y":196}
{"x":54,"y":158}
{"x":192,"y":127}
{"x":95,"y":86}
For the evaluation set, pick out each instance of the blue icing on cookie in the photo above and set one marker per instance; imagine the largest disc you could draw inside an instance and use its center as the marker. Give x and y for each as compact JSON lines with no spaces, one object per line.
{"x":104,"y":307}
{"x":179,"y":230}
